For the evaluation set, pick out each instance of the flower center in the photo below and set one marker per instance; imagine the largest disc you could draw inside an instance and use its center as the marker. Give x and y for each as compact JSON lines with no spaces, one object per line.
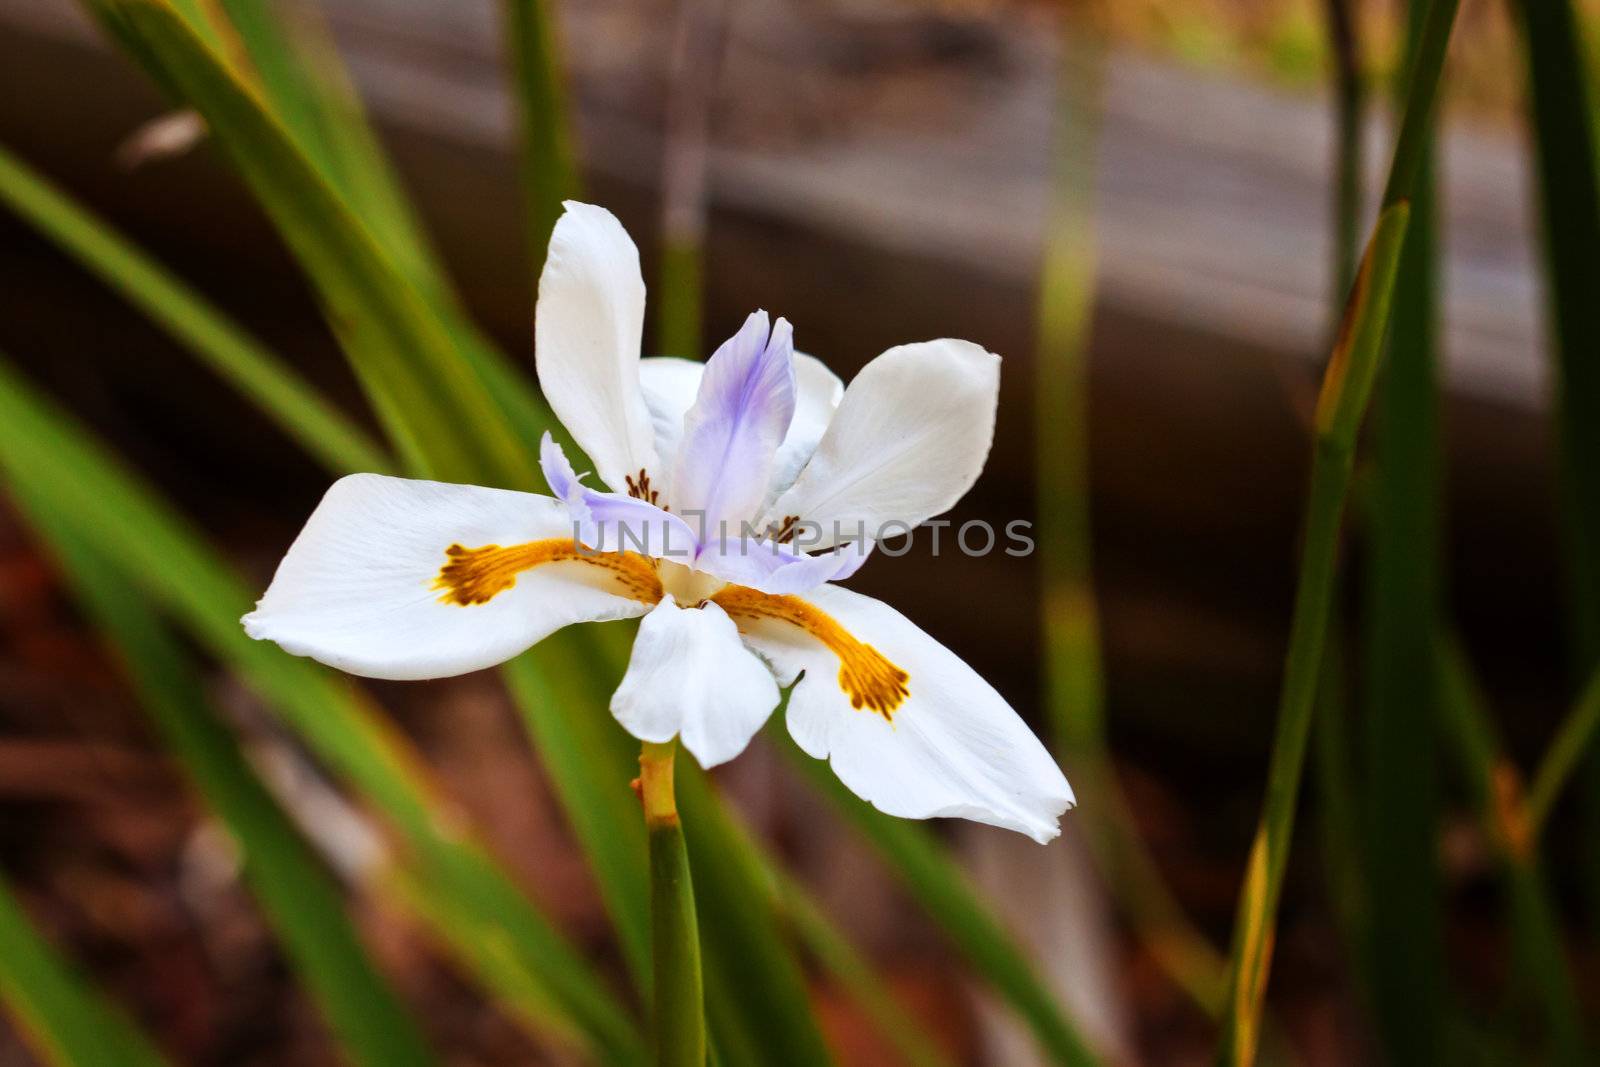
{"x":690,"y":588}
{"x":639,"y":488}
{"x":474,"y":576}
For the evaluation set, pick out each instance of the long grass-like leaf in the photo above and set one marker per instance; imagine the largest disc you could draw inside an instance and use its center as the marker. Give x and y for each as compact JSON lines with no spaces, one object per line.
{"x":433,"y":404}
{"x":68,"y":1023}
{"x":1345,"y":390}
{"x":946,"y":893}
{"x":590,"y":761}
{"x":157,"y":550}
{"x":1405,"y":940}
{"x":755,"y":992}
{"x":756,"y":968}
{"x":298,"y":894}
{"x":549,"y":170}
{"x":1494,"y":786}
{"x":840,"y":957}
{"x":1563,"y":114}
{"x":1574,"y":738}
{"x":1337,"y":793}
{"x":304,"y":84}
{"x":303,"y":413}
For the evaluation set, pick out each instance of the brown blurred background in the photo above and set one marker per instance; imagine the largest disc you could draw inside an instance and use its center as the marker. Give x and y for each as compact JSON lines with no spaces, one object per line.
{"x":878,"y":174}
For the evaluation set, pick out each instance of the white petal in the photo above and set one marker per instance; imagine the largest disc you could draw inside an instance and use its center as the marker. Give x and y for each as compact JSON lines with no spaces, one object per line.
{"x":817,"y":394}
{"x":587,"y":329}
{"x":670,"y":386}
{"x":690,"y":675}
{"x":952,"y":746}
{"x":908,"y":440}
{"x":356,"y":589}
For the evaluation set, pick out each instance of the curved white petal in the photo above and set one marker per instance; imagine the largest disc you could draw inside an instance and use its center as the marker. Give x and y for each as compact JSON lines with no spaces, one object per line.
{"x":357,"y":588}
{"x":908,"y":439}
{"x":587,"y":328}
{"x":817,"y":394}
{"x":690,"y":675}
{"x":670,"y":386}
{"x":948,"y":746}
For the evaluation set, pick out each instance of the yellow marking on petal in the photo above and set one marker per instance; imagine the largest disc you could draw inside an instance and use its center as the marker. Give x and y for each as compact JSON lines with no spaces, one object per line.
{"x":865,"y":675}
{"x":477,"y":575}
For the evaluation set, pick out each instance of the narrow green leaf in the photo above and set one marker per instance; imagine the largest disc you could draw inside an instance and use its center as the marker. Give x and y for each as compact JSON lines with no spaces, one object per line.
{"x":850,"y":968}
{"x":65,"y":1021}
{"x":1573,"y":739}
{"x":947,"y":895}
{"x":1338,"y":793}
{"x":549,"y":169}
{"x":487,"y":953}
{"x":590,"y":761}
{"x":221,"y":344}
{"x":305,"y":85}
{"x":1344,"y":393}
{"x":1494,"y":786}
{"x":1350,"y":95}
{"x":1338,"y":797}
{"x":744,"y":944}
{"x":135,"y":531}
{"x":1405,"y":937}
{"x":756,"y":994}
{"x":1346,"y":388}
{"x":1563,"y":117}
{"x":433,"y":404}
{"x":298,"y":894}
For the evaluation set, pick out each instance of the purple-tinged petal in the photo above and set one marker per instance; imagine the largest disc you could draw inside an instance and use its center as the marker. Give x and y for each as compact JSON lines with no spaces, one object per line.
{"x":625,"y":524}
{"x":611,"y":522}
{"x":557,"y":469}
{"x":731,"y":434}
{"x":852,"y":556}
{"x":773,"y":568}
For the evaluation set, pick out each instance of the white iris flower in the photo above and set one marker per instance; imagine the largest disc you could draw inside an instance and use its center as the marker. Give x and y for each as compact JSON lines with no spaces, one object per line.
{"x":716,"y":472}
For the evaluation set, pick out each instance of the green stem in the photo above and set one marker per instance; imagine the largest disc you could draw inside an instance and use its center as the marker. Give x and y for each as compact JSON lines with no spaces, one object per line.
{"x":1346,"y":389}
{"x":1404,"y":943}
{"x":1258,"y":902}
{"x":1543,"y":979}
{"x":1351,"y":96}
{"x":1337,"y":796}
{"x":1562,"y":758}
{"x":680,"y":1025}
{"x":1345,"y":392}
{"x":1562,"y":114}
